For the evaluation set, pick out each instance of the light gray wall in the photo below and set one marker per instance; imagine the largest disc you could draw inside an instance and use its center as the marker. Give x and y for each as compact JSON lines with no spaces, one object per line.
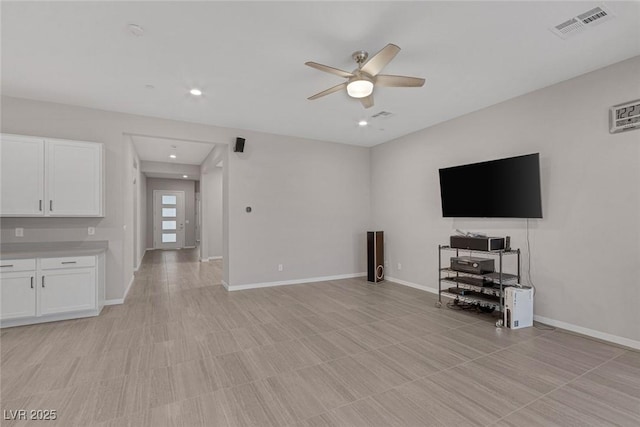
{"x":142,"y":215}
{"x":188,"y":186}
{"x":310,"y":209}
{"x":212,"y":208}
{"x":585,"y":251}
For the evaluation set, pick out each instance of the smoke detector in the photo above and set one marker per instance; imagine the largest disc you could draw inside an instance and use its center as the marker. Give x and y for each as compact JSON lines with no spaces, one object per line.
{"x":582,"y":22}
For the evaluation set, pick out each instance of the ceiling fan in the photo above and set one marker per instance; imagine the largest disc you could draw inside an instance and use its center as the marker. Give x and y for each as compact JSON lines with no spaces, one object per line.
{"x":361,"y":81}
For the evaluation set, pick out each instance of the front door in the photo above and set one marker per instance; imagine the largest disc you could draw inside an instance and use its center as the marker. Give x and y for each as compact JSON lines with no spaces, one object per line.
{"x":168,"y":222}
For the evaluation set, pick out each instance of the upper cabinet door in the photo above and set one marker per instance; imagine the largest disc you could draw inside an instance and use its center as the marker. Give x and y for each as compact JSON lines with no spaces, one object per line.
{"x":21,"y":176}
{"x":74,"y":178}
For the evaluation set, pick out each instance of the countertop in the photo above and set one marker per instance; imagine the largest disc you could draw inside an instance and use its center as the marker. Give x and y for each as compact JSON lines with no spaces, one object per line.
{"x":52,"y":249}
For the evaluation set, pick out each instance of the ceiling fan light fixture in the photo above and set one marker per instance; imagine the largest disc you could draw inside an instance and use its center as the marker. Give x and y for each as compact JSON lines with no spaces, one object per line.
{"x":360,"y":88}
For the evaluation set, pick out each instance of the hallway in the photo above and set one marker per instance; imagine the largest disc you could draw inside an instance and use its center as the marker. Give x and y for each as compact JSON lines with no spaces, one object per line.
{"x":171,"y":271}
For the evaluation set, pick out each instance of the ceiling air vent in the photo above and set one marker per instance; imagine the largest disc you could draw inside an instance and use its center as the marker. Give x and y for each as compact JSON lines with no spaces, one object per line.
{"x":381,"y":115}
{"x":579,"y":23}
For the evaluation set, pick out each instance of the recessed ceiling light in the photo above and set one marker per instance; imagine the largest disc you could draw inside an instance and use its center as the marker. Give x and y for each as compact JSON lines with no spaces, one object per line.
{"x":173,"y":156}
{"x":362,"y":123}
{"x":195,"y":92}
{"x":185,"y":176}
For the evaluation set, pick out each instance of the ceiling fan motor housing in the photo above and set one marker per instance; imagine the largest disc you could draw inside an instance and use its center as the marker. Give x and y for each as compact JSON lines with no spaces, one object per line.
{"x":360,"y":85}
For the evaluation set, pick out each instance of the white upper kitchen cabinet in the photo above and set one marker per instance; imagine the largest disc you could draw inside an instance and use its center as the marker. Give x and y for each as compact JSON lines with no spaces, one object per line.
{"x":21,"y":176}
{"x":51,"y":177}
{"x":74,"y":178}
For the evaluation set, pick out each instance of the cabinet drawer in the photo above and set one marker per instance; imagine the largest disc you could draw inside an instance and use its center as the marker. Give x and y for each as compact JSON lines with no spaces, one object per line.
{"x":67,"y":262}
{"x":7,"y":265}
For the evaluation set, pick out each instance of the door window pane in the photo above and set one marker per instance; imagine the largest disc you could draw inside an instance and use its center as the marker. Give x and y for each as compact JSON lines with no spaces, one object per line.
{"x":168,"y":237}
{"x":168,"y":212}
{"x":169,"y":200}
{"x":168,"y":225}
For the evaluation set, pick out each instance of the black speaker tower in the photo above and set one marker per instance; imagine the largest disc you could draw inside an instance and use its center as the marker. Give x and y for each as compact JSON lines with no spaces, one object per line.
{"x":375,"y":256}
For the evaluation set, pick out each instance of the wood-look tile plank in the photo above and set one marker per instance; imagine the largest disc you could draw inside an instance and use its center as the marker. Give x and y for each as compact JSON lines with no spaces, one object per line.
{"x":294,"y":395}
{"x":235,"y":369}
{"x":391,"y":371}
{"x":357,"y":379}
{"x":326,"y":385}
{"x":322,"y":347}
{"x":249,"y":405}
{"x":365,"y":413}
{"x":322,"y":420}
{"x":444,"y":407}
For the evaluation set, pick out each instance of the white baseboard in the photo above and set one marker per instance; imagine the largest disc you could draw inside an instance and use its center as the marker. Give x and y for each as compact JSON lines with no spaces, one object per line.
{"x":225,"y":284}
{"x":412,"y":285}
{"x":627,"y":342}
{"x":291,"y":282}
{"x":48,"y":318}
{"x":211,"y":258}
{"x":117,"y":301}
{"x":551,"y":322}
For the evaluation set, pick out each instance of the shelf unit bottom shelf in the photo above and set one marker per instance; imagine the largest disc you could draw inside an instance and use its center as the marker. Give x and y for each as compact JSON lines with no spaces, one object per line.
{"x":472,"y":300}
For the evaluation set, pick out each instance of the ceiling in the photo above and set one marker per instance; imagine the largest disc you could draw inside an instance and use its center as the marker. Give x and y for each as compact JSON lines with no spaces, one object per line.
{"x":248,"y":58}
{"x":156,"y":149}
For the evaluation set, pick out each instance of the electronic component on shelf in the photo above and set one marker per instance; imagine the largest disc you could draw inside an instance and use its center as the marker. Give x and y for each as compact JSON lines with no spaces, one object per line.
{"x":477,"y":243}
{"x":460,"y":291}
{"x":518,"y":307}
{"x":473,"y":265}
{"x":507,"y":279}
{"x":474,"y":281}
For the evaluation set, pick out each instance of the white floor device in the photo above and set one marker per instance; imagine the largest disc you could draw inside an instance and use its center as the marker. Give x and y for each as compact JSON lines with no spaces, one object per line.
{"x":518,"y":307}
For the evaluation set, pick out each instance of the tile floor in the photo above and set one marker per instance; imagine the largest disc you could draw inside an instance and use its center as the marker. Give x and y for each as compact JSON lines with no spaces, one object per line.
{"x":182,"y":351}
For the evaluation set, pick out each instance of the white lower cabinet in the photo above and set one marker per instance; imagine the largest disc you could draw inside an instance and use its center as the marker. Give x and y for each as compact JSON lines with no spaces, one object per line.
{"x":52,"y":289}
{"x":70,"y":289}
{"x":17,"y":295}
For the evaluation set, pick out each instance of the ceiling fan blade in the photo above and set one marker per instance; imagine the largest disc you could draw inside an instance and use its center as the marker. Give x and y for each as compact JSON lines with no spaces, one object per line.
{"x":385,"y":80}
{"x":328,"y":91}
{"x":367,"y":101}
{"x":377,"y":62}
{"x":328,"y":69}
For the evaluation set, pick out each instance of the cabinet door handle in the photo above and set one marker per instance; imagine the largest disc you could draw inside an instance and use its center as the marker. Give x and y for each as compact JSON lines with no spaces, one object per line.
{"x":50,"y":205}
{"x":40,"y":205}
{"x":7,"y":265}
{"x":43,"y":281}
{"x":69,"y":262}
{"x":31,"y":282}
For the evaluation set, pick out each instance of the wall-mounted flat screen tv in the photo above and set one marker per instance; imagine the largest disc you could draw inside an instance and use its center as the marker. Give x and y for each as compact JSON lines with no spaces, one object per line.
{"x":504,"y":188}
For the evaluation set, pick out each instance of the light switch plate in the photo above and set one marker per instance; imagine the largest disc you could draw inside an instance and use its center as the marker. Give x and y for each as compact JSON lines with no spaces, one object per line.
{"x":91,"y":231}
{"x":19,"y":232}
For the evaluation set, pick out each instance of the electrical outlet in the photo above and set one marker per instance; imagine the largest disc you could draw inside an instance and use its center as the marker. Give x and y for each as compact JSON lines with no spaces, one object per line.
{"x":19,"y":232}
{"x":399,"y":266}
{"x":280,"y":268}
{"x":91,"y":231}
